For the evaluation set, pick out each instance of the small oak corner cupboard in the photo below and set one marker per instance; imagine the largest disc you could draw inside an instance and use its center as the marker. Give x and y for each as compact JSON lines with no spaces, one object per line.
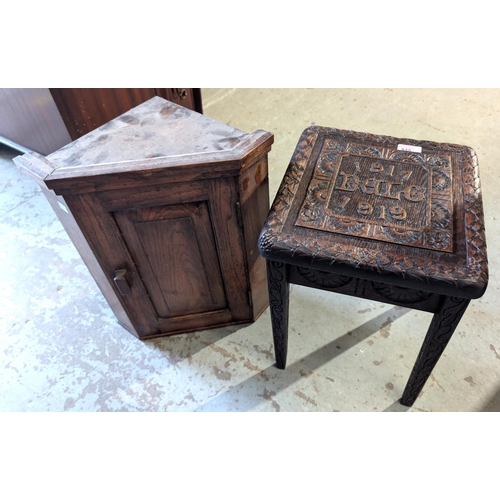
{"x":165,"y":206}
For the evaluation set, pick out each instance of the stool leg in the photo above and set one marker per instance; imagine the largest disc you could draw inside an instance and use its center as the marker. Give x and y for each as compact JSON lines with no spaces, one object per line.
{"x":442,"y":326}
{"x":279,"y":290}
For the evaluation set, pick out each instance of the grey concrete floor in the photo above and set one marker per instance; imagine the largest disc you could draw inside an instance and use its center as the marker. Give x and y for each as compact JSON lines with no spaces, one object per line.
{"x":61,"y":348}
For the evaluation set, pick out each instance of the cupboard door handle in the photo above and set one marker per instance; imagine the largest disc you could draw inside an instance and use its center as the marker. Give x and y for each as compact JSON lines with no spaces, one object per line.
{"x":122,"y":282}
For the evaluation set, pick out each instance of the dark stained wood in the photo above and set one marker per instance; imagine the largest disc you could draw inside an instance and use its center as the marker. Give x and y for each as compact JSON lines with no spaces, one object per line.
{"x":153,"y":195}
{"x":103,"y":236}
{"x":198,"y":100}
{"x":74,"y":231}
{"x":395,"y":220}
{"x":147,"y":173}
{"x":366,"y":289}
{"x":84,"y":110}
{"x":159,"y":214}
{"x":447,"y":255}
{"x":439,"y":334}
{"x":383,"y":199}
{"x":174,"y":249}
{"x":122,"y":282}
{"x":115,"y":250}
{"x":253,"y":187}
{"x":229,"y":238}
{"x":279,"y":292}
{"x":189,"y":98}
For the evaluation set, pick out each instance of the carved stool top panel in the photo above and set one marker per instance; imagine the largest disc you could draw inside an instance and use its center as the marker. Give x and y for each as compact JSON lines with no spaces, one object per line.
{"x":381,"y":193}
{"x":358,"y":203}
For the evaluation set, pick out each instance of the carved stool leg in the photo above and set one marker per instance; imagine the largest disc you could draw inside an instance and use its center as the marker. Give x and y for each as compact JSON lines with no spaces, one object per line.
{"x":441,"y":329}
{"x":278,"y":302}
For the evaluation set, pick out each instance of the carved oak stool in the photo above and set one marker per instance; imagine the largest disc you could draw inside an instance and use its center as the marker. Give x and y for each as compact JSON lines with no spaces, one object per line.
{"x":399,"y":221}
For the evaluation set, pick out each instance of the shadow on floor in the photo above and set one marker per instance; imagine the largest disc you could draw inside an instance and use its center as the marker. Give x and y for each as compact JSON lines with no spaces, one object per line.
{"x":179,"y":347}
{"x":397,"y":407}
{"x":493,"y":403}
{"x":251,"y":392}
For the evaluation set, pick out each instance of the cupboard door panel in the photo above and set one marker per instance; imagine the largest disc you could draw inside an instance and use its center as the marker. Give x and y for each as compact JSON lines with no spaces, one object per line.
{"x":174,"y":250}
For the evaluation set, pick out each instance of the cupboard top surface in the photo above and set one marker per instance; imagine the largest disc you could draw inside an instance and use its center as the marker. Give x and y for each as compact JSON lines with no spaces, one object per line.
{"x":156,"y":128}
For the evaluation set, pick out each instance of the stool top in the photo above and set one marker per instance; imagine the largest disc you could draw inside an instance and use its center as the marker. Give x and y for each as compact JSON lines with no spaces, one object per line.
{"x":399,"y":211}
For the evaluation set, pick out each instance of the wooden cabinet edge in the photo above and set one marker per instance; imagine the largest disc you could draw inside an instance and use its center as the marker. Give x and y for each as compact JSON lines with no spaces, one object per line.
{"x":35,"y":165}
{"x":253,"y":199}
{"x":260,"y":145}
{"x":39,"y":168}
{"x":63,"y":212}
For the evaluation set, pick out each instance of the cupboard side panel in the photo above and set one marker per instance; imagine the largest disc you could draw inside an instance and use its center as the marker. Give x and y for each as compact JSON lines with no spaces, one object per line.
{"x":254,"y":198}
{"x":78,"y":239}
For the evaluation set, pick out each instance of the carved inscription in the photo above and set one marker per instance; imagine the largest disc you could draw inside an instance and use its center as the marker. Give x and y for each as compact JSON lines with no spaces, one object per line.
{"x":379,"y":193}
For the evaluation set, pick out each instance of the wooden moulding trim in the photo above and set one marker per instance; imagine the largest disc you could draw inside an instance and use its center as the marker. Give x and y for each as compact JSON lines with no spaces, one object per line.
{"x":119,"y":179}
{"x":192,"y":329}
{"x":251,"y":152}
{"x":181,"y":168}
{"x":243,"y":153}
{"x":174,"y":321}
{"x":137,"y":166}
{"x":35,"y":165}
{"x":469,"y":289}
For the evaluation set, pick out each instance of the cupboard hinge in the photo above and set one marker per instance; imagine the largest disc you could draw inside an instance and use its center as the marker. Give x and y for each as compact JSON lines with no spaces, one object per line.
{"x":238,"y":214}
{"x":250,"y":301}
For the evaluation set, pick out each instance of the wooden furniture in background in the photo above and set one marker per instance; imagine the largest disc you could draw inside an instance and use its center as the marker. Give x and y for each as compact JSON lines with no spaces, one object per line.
{"x":399,"y":221}
{"x":165,"y":206}
{"x":83,"y":110}
{"x":44,"y":120}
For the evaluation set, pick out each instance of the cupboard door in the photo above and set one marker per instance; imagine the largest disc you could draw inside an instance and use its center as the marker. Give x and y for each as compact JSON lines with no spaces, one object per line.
{"x":174,"y":251}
